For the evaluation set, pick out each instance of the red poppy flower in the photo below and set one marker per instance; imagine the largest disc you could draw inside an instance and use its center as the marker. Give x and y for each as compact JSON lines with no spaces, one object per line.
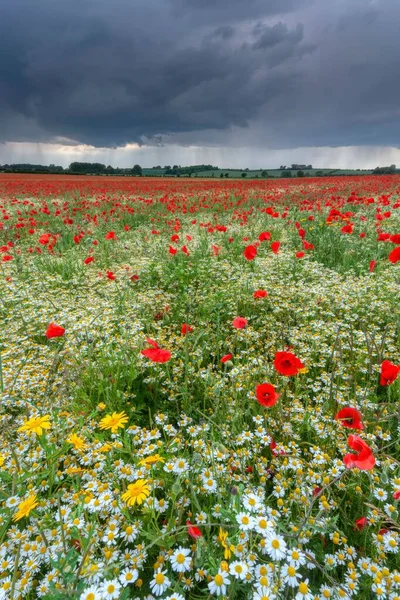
{"x":383,"y":237}
{"x":260,"y":294}
{"x":44,"y":239}
{"x":54,"y":330}
{"x":300,"y":254}
{"x":372,"y":266}
{"x":395,"y":239}
{"x":264,"y":236}
{"x":389,"y":372}
{"x":239,"y":323}
{"x":186,"y":329}
{"x":396,"y":495}
{"x":250,"y":252}
{"x":215,"y":249}
{"x":225,"y":358}
{"x":348,"y":228}
{"x":350,"y":417}
{"x":286,"y":363}
{"x":111,"y":235}
{"x":157,"y":354}
{"x":88,"y":260}
{"x":7,"y":257}
{"x":266,"y":394}
{"x":394,"y":256}
{"x":110,"y":275}
{"x":185,"y":250}
{"x":134,"y":277}
{"x":175,"y":238}
{"x":364,"y":459}
{"x":275,"y":247}
{"x":308,"y":245}
{"x":193,"y":531}
{"x":172,"y":250}
{"x":361,"y":523}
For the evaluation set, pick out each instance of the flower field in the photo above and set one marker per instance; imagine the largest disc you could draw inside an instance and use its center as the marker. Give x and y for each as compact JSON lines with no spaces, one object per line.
{"x":200,"y":388}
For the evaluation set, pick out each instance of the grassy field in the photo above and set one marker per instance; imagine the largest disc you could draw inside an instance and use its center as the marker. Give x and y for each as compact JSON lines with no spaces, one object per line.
{"x":199,"y":388}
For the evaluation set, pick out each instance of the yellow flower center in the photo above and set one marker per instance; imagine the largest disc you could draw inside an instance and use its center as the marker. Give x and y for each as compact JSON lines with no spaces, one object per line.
{"x":262,"y":523}
{"x":219,"y":580}
{"x":275,"y":544}
{"x":160,"y":578}
{"x":180,"y":558}
{"x":303,"y":588}
{"x":291,"y":571}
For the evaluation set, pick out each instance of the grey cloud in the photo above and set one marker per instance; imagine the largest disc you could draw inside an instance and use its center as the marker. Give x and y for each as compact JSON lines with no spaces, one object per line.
{"x":271,"y":36}
{"x":225,"y":32}
{"x":276,"y":72}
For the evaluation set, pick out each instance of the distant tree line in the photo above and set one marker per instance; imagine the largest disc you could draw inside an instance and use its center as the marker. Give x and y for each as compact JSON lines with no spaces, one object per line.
{"x":95,"y":168}
{"x":29,"y":168}
{"x":177,"y":170}
{"x":385,"y":170}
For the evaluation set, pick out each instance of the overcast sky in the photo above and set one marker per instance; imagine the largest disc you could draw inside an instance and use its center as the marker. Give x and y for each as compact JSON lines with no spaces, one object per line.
{"x":241,"y":83}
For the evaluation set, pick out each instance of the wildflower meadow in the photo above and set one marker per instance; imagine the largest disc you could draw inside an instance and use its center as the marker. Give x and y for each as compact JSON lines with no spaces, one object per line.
{"x":199,"y":388}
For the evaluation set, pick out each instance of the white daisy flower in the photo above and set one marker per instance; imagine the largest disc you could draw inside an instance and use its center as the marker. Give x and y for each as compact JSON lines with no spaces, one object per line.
{"x":246,"y":522}
{"x":238,"y":569}
{"x":218,"y":584}
{"x":110,"y":590}
{"x":128,"y":576}
{"x":181,"y":560}
{"x":91,"y":593}
{"x":159,"y":583}
{"x":290,"y":575}
{"x":275,"y":546}
{"x":304,"y":592}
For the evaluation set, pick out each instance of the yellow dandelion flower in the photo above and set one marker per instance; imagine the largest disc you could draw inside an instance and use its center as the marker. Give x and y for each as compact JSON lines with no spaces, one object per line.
{"x":114,"y":421}
{"x":151,"y":460}
{"x":36,"y":425}
{"x":136,"y":493}
{"x":77,"y":442}
{"x":25,"y":507}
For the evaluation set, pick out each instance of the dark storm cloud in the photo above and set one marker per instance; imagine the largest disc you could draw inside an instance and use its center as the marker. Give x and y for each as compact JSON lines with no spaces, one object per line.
{"x":289,"y":72}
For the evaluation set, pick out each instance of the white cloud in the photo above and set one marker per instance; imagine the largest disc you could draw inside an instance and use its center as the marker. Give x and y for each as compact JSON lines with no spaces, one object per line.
{"x":353,"y":157}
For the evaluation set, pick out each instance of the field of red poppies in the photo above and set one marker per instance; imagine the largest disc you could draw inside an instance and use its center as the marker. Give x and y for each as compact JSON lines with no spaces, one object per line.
{"x":199,"y":388}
